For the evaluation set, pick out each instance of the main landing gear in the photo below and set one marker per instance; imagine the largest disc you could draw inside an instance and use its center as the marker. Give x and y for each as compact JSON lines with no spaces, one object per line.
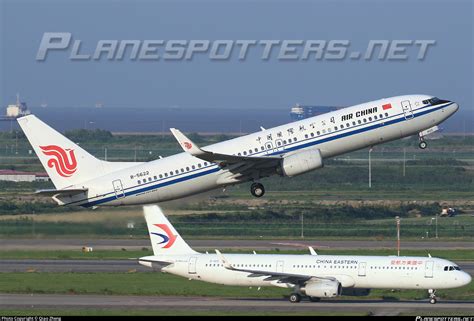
{"x":296,"y":297}
{"x":422,"y":143}
{"x":257,"y":189}
{"x":432,"y":294}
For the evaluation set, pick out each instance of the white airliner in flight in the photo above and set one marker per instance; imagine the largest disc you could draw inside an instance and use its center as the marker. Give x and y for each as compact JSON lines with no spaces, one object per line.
{"x":314,"y":276}
{"x":286,"y":150}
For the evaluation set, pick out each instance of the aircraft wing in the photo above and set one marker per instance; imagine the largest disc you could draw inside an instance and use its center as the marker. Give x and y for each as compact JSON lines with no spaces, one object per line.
{"x":61,"y":192}
{"x":191,"y":148}
{"x":281,"y":277}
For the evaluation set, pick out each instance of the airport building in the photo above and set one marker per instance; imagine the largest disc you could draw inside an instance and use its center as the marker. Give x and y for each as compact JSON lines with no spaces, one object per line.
{"x":17,"y":176}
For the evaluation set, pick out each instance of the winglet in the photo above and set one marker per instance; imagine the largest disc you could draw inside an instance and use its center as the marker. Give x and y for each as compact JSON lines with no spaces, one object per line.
{"x":224,"y":260}
{"x":312,"y":251}
{"x":187,"y":144}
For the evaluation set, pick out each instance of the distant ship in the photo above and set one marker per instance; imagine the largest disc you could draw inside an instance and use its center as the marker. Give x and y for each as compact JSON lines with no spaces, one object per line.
{"x":16,"y":110}
{"x":298,"y":111}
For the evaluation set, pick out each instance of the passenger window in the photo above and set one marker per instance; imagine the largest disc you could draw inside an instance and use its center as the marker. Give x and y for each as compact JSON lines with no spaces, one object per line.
{"x":182,"y":170}
{"x":187,"y":169}
{"x":312,"y":134}
{"x":245,"y":153}
{"x":139,"y":181}
{"x":347,"y":125}
{"x":177,"y":172}
{"x":193,"y":167}
{"x":306,"y":136}
{"x":154,"y":177}
{"x":386,"y":114}
{"x":199,"y":165}
{"x":318,"y":133}
{"x":365,"y":120}
{"x":256,"y":149}
{"x":370,"y":118}
{"x":161,"y":175}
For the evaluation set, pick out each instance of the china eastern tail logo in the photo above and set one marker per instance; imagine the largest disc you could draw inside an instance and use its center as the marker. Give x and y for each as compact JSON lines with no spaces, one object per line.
{"x":168,"y":239}
{"x":62,"y":160}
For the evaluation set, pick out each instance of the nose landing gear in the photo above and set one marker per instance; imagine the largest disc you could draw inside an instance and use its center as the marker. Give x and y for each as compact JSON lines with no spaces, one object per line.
{"x":432,"y":296}
{"x":257,"y":189}
{"x":422,"y":143}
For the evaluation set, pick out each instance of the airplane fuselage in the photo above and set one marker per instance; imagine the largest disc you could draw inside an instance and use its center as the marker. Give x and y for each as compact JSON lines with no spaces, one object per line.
{"x":333,"y":133}
{"x":358,"y":272}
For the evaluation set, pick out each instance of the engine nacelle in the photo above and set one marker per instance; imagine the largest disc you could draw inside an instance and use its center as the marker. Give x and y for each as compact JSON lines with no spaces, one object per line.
{"x":301,"y":162}
{"x":322,"y":289}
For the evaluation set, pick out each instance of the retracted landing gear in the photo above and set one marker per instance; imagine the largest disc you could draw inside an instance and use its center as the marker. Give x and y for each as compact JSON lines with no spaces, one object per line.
{"x":432,"y":296}
{"x":295,"y":298}
{"x":422,"y":143}
{"x":257,"y":189}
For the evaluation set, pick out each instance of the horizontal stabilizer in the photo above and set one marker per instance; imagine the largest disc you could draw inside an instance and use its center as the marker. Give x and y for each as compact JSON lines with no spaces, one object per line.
{"x":61,"y":192}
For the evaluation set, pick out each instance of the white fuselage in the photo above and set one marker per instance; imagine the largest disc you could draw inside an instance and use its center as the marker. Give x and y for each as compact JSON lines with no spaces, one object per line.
{"x":363,"y":272}
{"x":334,"y":133}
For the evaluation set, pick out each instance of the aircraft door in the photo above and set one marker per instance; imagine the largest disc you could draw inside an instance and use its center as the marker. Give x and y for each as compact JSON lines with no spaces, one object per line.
{"x":429,"y":269}
{"x":407,"y":111}
{"x":118,"y":188}
{"x":279,"y":266}
{"x":192,"y":265}
{"x":362,"y":268}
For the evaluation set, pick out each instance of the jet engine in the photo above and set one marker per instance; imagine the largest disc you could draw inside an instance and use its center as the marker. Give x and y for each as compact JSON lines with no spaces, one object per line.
{"x":322,"y":289}
{"x":301,"y":162}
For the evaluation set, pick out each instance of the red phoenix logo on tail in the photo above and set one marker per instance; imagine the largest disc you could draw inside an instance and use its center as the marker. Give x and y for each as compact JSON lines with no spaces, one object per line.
{"x":62,"y":160}
{"x":188,"y":145}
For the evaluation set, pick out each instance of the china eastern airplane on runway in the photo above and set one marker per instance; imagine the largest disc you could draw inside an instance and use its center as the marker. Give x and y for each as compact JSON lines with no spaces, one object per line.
{"x":314,"y":276}
{"x":286,"y":150}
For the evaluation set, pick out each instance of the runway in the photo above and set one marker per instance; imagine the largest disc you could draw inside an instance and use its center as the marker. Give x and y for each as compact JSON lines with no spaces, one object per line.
{"x":138,"y":244}
{"x":188,"y":304}
{"x":28,"y":265}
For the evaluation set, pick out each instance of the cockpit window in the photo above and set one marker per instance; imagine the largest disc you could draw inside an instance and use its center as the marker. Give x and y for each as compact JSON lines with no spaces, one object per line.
{"x":452,"y":268}
{"x":435,"y":101}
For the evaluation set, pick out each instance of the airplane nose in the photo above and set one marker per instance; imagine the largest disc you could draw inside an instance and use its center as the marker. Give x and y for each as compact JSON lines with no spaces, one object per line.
{"x":466,"y":278}
{"x":455,"y":107}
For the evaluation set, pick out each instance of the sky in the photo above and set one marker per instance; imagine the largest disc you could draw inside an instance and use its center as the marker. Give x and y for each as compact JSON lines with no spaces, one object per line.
{"x":446,"y":72}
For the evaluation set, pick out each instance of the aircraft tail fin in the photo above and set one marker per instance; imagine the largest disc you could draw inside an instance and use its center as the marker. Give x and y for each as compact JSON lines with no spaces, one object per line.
{"x":66,"y":163}
{"x":165,"y":240}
